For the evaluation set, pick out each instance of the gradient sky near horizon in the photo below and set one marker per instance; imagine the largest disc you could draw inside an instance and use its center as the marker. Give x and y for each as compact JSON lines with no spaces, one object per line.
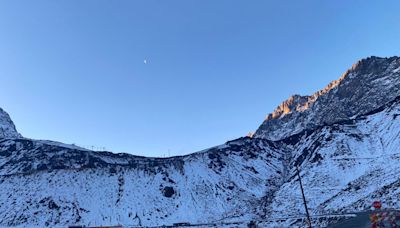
{"x":73,"y":70}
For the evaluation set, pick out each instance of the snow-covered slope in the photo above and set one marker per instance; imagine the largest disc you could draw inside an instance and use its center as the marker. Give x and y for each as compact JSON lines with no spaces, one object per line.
{"x":47,"y":185}
{"x":345,"y":166}
{"x":345,"y":140}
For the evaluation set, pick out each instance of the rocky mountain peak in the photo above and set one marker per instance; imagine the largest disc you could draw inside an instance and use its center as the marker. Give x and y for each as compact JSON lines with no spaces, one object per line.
{"x":7,"y":127}
{"x":368,"y":84}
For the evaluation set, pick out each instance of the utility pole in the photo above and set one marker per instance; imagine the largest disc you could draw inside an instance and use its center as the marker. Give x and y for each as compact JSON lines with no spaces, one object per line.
{"x":304,"y":198}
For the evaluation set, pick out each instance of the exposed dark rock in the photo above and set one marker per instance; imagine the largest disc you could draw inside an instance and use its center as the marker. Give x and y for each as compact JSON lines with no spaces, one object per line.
{"x":168,"y":191}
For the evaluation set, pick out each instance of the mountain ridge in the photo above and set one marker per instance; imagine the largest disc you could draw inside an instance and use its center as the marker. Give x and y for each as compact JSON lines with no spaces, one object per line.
{"x":355,"y":85}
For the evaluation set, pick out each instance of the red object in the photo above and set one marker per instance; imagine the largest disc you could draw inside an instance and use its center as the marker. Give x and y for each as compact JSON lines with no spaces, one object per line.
{"x":377,"y":205}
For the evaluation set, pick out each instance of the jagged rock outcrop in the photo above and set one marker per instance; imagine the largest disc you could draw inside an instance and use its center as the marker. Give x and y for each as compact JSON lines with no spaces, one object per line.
{"x":369,"y":84}
{"x":7,"y":127}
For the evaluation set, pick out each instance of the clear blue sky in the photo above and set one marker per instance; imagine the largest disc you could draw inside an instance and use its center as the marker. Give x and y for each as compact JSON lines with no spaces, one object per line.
{"x":73,"y":70}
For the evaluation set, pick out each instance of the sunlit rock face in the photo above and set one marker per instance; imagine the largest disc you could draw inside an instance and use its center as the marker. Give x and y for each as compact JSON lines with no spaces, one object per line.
{"x":367,"y":85}
{"x":7,"y":127}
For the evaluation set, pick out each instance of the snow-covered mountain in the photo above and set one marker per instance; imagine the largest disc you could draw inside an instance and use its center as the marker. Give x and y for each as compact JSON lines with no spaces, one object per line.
{"x":345,"y":139}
